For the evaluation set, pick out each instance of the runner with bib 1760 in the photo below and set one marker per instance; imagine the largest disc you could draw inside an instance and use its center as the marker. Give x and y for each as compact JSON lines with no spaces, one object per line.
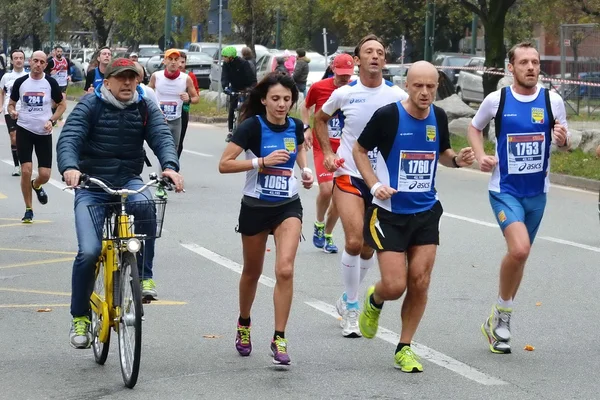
{"x":528,"y":119}
{"x":403,"y":224}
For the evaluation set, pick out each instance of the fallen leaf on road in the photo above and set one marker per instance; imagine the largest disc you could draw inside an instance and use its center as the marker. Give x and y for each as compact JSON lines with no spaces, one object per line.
{"x":339,"y":318}
{"x":44,"y":310}
{"x":211,"y":336}
{"x":529,"y":347}
{"x":539,"y":303}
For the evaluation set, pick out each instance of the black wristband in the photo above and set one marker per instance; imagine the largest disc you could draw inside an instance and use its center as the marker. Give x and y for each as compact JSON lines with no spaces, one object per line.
{"x":53,"y":122}
{"x":454,"y":162}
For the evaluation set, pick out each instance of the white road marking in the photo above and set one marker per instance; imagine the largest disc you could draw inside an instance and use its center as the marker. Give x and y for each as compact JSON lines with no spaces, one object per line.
{"x":582,"y":246}
{"x":569,"y":243}
{"x":384,"y":334}
{"x":422,"y":351}
{"x":197,"y":153}
{"x":547,"y":238}
{"x":471,"y":220}
{"x":225,"y":262}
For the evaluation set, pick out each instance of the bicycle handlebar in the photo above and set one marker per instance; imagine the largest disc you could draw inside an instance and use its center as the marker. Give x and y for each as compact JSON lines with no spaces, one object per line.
{"x":164,"y":181}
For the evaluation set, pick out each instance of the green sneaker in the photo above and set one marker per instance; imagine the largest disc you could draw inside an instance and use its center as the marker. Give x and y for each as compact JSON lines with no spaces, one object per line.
{"x":80,"y":334}
{"x":368,"y":320}
{"x":149,"y":289}
{"x":407,"y":361}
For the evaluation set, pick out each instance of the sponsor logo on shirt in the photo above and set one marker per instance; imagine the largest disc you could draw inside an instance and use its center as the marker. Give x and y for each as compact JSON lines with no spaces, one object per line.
{"x":357,"y":101}
{"x":290,"y":144}
{"x":430,"y":131}
{"x":537,"y":115}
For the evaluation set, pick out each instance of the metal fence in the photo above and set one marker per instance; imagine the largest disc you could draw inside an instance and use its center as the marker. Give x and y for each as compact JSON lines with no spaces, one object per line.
{"x":579,"y":62}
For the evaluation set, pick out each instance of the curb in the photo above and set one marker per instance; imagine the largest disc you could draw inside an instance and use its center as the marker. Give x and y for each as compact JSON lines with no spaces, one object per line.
{"x":193,"y":118}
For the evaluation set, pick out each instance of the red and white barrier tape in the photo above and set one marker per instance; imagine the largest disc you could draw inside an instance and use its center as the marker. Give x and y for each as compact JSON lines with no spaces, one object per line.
{"x":494,"y":71}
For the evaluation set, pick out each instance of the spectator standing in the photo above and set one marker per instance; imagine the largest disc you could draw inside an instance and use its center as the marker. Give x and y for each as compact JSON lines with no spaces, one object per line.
{"x":301,"y":70}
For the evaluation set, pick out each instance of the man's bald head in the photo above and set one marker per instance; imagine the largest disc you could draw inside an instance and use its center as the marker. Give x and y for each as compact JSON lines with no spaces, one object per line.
{"x":421,"y":85}
{"x":422,"y":69}
{"x":40,"y":55}
{"x":38,"y":63}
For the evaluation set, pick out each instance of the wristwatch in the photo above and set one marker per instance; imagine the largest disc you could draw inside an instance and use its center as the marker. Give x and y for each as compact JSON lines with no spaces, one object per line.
{"x":306,"y":126}
{"x":454,"y":162}
{"x":53,"y":122}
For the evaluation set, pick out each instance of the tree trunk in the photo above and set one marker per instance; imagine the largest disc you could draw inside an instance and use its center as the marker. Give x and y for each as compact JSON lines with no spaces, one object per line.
{"x":36,"y":41}
{"x":495,"y":52}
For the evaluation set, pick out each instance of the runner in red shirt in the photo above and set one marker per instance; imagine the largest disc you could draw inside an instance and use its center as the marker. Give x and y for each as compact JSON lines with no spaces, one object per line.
{"x":343,"y":69}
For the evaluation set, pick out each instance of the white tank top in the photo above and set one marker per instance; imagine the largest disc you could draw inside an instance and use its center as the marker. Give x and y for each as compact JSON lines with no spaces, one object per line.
{"x":168,"y":93}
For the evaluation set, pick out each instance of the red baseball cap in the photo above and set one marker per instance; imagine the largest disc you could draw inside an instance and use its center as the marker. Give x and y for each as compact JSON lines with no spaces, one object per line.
{"x":343,"y":64}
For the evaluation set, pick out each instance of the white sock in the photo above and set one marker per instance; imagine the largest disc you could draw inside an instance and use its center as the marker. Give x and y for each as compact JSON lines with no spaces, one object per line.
{"x":365,"y":265}
{"x":351,"y":275}
{"x":505,"y":303}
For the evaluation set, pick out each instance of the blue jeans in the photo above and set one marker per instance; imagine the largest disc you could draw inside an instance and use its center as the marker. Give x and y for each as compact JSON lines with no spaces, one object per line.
{"x":90,"y":245}
{"x":528,"y":210}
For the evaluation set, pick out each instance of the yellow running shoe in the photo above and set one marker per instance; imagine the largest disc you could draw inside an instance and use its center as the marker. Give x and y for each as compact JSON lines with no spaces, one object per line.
{"x":368,"y":320}
{"x":407,"y":361}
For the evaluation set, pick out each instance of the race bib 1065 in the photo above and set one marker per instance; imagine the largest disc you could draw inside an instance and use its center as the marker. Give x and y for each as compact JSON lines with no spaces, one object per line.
{"x":274,"y":181}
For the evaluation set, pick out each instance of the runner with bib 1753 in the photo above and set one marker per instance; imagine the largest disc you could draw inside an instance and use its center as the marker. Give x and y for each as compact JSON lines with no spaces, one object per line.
{"x":528,"y":119}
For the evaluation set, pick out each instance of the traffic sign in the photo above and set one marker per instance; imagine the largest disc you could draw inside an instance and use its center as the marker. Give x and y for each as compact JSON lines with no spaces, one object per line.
{"x":318,"y":45}
{"x":213,"y":22}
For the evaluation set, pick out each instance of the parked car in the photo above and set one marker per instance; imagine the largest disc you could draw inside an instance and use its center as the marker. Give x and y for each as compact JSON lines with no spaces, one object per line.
{"x":469,"y":86}
{"x":392,"y":70}
{"x":200,"y":64}
{"x":215,"y":70}
{"x":450,"y":60}
{"x":205,"y":47}
{"x":146,"y":52}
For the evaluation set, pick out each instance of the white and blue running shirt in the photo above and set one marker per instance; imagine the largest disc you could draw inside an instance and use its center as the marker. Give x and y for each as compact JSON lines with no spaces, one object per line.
{"x":523,"y":142}
{"x":356,"y":104}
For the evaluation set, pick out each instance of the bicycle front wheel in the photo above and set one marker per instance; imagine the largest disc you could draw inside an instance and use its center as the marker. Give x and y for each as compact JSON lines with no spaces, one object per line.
{"x":130,"y":321}
{"x":100,"y":326}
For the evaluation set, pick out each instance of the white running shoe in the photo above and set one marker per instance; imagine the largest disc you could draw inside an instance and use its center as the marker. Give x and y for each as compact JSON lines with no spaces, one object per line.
{"x":17,"y":171}
{"x":350,"y":327}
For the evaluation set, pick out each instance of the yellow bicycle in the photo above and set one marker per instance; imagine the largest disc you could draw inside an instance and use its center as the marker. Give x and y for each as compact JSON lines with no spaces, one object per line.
{"x":116,"y":301}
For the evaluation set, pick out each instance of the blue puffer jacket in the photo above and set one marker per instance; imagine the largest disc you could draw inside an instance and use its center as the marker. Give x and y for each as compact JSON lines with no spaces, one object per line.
{"x":112,"y":149}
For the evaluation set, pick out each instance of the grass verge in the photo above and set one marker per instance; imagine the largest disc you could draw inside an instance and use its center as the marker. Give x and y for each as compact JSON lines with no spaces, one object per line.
{"x":574,"y":163}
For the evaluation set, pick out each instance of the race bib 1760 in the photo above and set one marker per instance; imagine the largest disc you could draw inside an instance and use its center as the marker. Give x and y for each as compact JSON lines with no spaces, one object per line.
{"x":525,"y":152}
{"x":416,"y":171}
{"x":34,"y":101}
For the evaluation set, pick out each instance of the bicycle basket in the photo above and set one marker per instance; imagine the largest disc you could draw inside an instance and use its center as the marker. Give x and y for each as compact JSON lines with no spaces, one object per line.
{"x":145,"y":219}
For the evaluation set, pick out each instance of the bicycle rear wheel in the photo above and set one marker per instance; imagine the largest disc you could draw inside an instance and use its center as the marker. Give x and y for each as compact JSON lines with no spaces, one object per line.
{"x":130,"y":321}
{"x":100,"y":347}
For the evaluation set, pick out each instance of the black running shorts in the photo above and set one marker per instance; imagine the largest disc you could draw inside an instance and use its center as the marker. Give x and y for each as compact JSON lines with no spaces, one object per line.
{"x":387,"y":231}
{"x":254,"y":220}
{"x":28,"y":141}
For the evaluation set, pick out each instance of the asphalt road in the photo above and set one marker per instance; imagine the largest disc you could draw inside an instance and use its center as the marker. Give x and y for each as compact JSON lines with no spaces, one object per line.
{"x":188,"y":350}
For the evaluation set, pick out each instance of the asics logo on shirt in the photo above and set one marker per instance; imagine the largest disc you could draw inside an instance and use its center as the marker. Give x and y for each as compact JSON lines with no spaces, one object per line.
{"x":535,"y":166}
{"x":357,"y":101}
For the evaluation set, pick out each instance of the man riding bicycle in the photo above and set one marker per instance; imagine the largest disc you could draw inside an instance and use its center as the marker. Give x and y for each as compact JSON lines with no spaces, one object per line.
{"x":236,"y":76}
{"x":104,"y":138}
